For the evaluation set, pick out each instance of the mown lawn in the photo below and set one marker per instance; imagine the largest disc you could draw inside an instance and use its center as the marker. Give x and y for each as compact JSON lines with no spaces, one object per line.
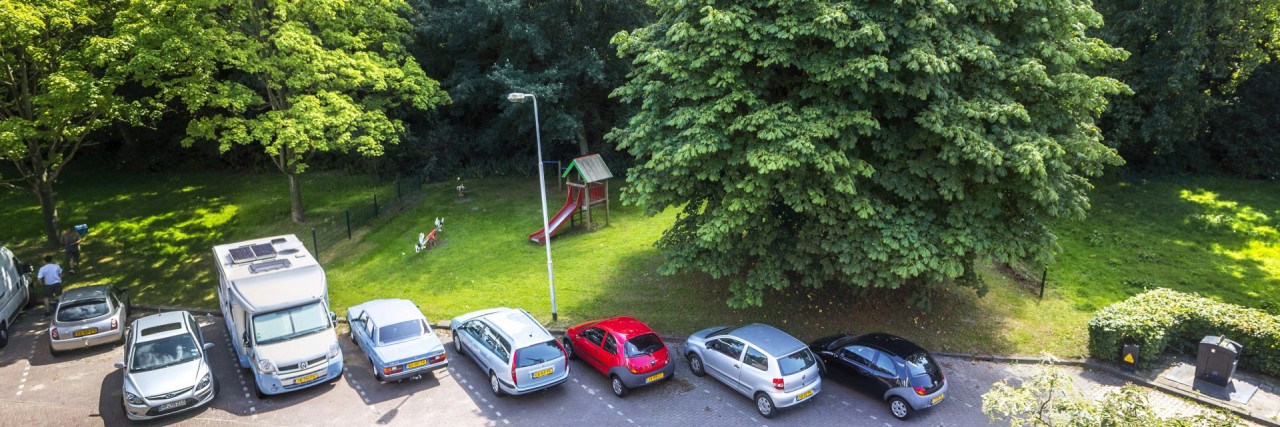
{"x":154,"y":233}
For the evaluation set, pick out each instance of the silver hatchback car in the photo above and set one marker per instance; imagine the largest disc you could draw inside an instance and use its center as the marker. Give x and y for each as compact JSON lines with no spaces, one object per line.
{"x":166,"y":366}
{"x":516,"y":352}
{"x":759,"y":361}
{"x":87,"y":316}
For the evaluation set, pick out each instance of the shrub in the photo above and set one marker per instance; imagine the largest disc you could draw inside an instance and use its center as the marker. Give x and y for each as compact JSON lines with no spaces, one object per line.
{"x":1163,"y":319}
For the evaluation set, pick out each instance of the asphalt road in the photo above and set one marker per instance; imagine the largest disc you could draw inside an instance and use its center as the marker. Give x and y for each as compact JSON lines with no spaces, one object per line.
{"x":83,"y":388}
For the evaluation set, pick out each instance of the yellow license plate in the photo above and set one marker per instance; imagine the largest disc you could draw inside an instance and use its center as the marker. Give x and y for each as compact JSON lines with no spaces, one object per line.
{"x":543,"y":373}
{"x":412,"y":365}
{"x":804,"y":395}
{"x":936,"y":399}
{"x":83,"y":332}
{"x":656,"y":377}
{"x":307,"y":378}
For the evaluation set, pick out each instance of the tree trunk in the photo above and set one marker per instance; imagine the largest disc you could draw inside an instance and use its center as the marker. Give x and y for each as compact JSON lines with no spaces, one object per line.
{"x":583,"y":145}
{"x":48,"y":209}
{"x":295,"y":198}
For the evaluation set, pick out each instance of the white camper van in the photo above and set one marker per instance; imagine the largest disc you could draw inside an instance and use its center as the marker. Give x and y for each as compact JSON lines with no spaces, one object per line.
{"x":15,"y":291}
{"x":274,"y":297}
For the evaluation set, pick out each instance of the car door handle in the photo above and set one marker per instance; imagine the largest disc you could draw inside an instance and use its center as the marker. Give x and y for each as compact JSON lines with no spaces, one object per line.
{"x":735,"y":365}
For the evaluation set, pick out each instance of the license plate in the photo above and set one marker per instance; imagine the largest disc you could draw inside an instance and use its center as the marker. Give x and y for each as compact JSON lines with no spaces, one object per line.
{"x":412,"y":365}
{"x":804,"y":395}
{"x":307,"y":378}
{"x":543,"y":373}
{"x":936,"y":399}
{"x":83,"y":332}
{"x":171,"y":405}
{"x":654,"y":377}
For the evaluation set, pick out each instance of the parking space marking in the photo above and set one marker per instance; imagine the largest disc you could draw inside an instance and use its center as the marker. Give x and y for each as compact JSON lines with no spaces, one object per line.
{"x":873,"y":417}
{"x":610,"y":405}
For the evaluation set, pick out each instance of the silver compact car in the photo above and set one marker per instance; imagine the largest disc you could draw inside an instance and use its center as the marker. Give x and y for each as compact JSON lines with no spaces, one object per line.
{"x":87,"y":316}
{"x":514,"y":350}
{"x":759,"y":361}
{"x":166,"y":366}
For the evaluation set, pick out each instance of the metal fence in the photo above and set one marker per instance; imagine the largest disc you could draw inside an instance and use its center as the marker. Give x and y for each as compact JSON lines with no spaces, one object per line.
{"x":322,"y":231}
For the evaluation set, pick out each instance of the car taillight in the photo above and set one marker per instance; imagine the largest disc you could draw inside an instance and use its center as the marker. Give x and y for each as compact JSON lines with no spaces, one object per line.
{"x":392,"y":369}
{"x":565,"y":354}
{"x":633,"y":369}
{"x":514,"y":358}
{"x":54,"y":331}
{"x":114,"y":324}
{"x":779,"y":384}
{"x":920,"y":391}
{"x":437,"y":359}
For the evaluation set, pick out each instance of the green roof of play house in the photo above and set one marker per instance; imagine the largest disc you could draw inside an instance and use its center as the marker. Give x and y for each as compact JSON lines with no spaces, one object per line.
{"x":591,"y":168}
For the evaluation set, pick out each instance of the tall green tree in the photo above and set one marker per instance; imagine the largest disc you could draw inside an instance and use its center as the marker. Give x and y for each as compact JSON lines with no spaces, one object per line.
{"x":294,"y":77}
{"x":556,"y":49}
{"x":862,"y":143}
{"x":1188,"y":59}
{"x":54,"y":91}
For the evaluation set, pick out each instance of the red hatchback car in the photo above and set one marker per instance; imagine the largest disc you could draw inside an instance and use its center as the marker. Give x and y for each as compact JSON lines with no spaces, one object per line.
{"x":622,"y":348}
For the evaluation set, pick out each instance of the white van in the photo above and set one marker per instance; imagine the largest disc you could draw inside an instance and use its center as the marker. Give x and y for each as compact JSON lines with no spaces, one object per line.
{"x":15,"y":291}
{"x":274,"y":297}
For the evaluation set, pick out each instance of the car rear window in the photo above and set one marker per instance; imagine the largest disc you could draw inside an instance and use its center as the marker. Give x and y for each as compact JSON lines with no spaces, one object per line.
{"x":921,"y":364}
{"x":397,"y":332}
{"x":795,"y":362}
{"x":643,"y":344}
{"x":537,"y":354}
{"x":81,"y":310}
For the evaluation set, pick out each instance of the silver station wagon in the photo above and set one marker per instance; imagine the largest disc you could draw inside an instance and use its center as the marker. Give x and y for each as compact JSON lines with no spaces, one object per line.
{"x":759,"y":361}
{"x":516,"y":352}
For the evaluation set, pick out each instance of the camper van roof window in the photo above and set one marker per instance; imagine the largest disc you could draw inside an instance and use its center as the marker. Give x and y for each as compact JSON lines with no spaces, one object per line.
{"x":272,"y":265}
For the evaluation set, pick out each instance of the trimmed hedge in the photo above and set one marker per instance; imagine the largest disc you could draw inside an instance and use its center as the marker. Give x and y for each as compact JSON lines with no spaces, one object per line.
{"x":1162,"y":319}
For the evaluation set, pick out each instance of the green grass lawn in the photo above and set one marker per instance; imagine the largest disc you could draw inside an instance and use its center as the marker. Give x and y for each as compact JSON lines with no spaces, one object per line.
{"x":154,"y":233}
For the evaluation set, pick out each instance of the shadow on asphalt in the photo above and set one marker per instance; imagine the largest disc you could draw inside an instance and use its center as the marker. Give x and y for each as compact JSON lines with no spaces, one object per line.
{"x":111,"y":409}
{"x":359,"y":376}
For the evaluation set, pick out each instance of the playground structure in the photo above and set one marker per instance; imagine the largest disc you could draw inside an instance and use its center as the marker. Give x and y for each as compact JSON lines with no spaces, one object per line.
{"x":429,"y":240}
{"x":589,"y":189}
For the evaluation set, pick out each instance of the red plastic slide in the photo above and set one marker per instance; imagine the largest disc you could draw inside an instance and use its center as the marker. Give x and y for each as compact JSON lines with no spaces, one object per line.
{"x":570,"y":204}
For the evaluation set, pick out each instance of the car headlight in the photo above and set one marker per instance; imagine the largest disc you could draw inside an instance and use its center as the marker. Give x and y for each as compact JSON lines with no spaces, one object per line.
{"x":204,"y":382}
{"x":133,"y":399}
{"x":266,"y":367}
{"x":334,"y":350}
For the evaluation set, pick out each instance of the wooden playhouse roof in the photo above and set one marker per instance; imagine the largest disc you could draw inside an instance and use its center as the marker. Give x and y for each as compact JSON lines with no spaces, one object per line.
{"x":590,"y":167}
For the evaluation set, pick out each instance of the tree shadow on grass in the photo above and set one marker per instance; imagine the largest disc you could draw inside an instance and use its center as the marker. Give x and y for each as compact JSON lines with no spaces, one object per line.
{"x":688,"y":302}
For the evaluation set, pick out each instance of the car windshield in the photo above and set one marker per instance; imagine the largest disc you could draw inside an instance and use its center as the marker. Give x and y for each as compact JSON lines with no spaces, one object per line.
{"x":796,"y":362}
{"x":164,"y":352}
{"x":81,"y":310}
{"x":397,"y":332}
{"x":643,"y":344}
{"x":289,"y":323}
{"x":537,"y":354}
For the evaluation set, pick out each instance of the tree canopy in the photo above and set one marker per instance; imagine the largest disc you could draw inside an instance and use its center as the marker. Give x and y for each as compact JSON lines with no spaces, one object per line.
{"x":1188,"y":60}
{"x":296,"y":78}
{"x":54,"y":91}
{"x":865,"y":144}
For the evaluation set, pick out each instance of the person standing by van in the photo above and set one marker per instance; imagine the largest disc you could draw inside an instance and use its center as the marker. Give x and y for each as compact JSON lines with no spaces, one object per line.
{"x":51,"y":276}
{"x":71,"y":242}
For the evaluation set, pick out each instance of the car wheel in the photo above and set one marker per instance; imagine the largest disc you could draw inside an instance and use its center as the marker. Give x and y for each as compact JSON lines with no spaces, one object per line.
{"x":4,"y":335}
{"x":765,"y":405}
{"x":619,"y":389}
{"x":376,"y":375}
{"x":258,"y":391}
{"x":457,"y":343}
{"x":568,"y":349}
{"x":493,"y":385}
{"x":899,"y":407}
{"x":695,"y":365}
{"x":52,"y":352}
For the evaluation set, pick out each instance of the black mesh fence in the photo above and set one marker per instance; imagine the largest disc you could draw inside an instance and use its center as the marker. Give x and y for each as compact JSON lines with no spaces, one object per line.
{"x":325,"y":230}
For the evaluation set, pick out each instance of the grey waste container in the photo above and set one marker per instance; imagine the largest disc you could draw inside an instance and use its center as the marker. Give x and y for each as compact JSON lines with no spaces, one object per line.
{"x":1216,"y":360}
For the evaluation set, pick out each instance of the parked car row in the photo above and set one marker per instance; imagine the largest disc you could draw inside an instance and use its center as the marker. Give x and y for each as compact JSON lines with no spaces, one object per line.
{"x":274,"y":300}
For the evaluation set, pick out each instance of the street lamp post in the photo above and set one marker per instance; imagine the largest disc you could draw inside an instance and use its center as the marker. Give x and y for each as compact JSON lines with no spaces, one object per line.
{"x":518,"y":98}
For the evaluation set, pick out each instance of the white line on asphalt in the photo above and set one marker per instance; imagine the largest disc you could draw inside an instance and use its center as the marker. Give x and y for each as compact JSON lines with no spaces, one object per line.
{"x":253,"y":408}
{"x":629,"y":420}
{"x":873,"y":417}
{"x":707,"y":391}
{"x":610,"y":405}
{"x":620,"y":414}
{"x":484,"y":400}
{"x":499,"y":413}
{"x":244,"y":389}
{"x":490,"y":406}
{"x":504,"y":421}
{"x":888,"y":425}
{"x":856,"y":409}
{"x":246,"y":395}
{"x":845,"y":403}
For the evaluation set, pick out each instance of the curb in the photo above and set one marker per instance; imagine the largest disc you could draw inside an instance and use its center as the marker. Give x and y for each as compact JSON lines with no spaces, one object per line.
{"x":1096,"y":365}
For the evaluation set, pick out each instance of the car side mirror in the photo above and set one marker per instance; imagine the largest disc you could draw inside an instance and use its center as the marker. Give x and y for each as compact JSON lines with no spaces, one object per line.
{"x":119,"y":365}
{"x":208,"y":346}
{"x":333,"y":317}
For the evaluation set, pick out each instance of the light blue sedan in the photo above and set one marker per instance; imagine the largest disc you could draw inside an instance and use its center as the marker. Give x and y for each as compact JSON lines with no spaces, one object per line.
{"x":396,"y":338}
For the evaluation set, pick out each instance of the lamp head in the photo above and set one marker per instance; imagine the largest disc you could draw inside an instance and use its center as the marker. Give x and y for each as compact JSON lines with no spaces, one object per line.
{"x":517,"y":97}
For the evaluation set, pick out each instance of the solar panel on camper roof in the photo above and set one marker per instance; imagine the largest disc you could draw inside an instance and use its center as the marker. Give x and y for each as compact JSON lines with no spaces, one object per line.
{"x":264,"y":250}
{"x":241,"y":255}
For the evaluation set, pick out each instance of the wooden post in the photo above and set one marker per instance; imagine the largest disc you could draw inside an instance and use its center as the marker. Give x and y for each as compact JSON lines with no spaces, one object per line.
{"x":606,"y":203}
{"x":587,"y":205}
